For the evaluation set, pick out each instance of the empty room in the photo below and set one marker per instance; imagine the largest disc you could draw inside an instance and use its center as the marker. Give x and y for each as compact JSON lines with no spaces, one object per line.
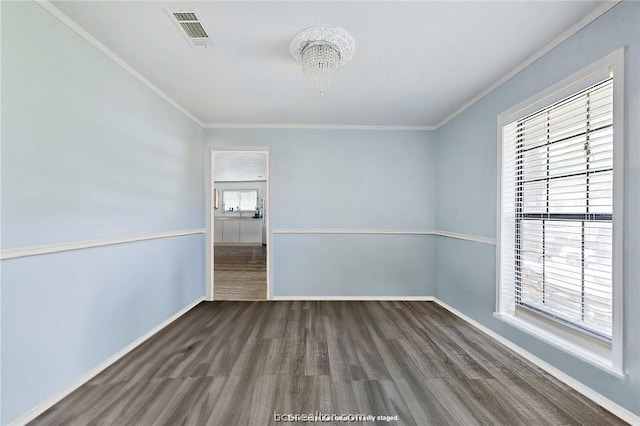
{"x":261,"y":212}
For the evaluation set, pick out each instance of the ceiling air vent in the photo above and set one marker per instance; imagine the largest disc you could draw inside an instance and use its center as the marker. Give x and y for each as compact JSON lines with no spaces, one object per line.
{"x":191,"y":27}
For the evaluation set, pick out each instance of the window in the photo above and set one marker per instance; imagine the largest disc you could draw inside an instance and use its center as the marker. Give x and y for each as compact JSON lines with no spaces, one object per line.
{"x":240,"y":200}
{"x":559,"y":256}
{"x":563,"y":223}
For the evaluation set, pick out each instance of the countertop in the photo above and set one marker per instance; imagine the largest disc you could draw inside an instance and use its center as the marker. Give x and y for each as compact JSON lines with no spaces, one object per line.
{"x":236,"y":218}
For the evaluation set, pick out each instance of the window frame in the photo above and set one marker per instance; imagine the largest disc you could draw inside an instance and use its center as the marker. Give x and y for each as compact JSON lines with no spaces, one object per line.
{"x":225,"y":191}
{"x":577,"y":343}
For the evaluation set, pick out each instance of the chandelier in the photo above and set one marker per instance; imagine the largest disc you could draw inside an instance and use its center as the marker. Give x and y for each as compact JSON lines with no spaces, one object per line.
{"x":322,"y":50}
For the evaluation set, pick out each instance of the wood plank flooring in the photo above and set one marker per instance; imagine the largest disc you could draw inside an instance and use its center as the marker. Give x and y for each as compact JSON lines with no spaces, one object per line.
{"x":236,"y":363}
{"x":240,"y":272}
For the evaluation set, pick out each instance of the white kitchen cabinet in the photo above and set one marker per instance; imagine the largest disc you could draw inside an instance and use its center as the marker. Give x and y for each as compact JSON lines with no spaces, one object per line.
{"x":230,"y":231}
{"x":217,"y":231}
{"x":251,"y":231}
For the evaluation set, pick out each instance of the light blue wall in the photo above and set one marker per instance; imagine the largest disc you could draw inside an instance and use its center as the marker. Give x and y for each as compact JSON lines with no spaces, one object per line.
{"x":466,"y":196}
{"x":85,"y":145}
{"x":349,"y":179}
{"x":353,"y":265}
{"x":88,"y":152}
{"x":66,"y":313}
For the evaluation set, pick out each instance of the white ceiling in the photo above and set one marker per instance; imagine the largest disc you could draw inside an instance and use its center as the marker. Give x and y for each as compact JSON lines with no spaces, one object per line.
{"x":239,"y":166}
{"x":415,"y":62}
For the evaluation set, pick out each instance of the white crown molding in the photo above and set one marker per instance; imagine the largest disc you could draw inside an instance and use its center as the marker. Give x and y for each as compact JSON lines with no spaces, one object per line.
{"x":104,"y":49}
{"x":14,"y":253}
{"x":58,"y":396}
{"x":580,"y":387}
{"x":316,"y":126}
{"x":592,"y":16}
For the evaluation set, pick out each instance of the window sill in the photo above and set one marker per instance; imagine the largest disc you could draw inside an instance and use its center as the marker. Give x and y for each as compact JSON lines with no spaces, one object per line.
{"x":597,"y":360}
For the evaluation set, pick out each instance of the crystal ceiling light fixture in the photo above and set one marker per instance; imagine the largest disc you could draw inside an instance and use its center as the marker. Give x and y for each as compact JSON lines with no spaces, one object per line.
{"x":322,"y":50}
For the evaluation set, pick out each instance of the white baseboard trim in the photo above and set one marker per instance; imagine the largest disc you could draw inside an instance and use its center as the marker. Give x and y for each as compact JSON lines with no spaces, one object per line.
{"x":603,"y":401}
{"x":55,"y":398}
{"x":353,"y":231}
{"x":361,"y":298}
{"x":596,"y":397}
{"x":14,"y":253}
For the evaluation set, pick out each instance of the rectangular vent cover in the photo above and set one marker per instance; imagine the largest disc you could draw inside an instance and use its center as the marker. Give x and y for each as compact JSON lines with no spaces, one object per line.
{"x":191,"y":27}
{"x":185,"y":16}
{"x":194,"y":29}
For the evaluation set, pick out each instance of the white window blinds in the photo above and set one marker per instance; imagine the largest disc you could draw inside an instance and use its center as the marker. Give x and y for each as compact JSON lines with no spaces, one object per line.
{"x":557,"y":211}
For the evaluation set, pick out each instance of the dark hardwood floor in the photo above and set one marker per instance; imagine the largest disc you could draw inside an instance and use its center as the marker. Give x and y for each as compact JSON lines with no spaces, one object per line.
{"x":240,"y":272}
{"x":236,"y":363}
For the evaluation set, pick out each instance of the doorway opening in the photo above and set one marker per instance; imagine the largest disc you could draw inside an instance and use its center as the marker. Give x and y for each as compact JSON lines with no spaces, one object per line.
{"x":239,"y":242}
